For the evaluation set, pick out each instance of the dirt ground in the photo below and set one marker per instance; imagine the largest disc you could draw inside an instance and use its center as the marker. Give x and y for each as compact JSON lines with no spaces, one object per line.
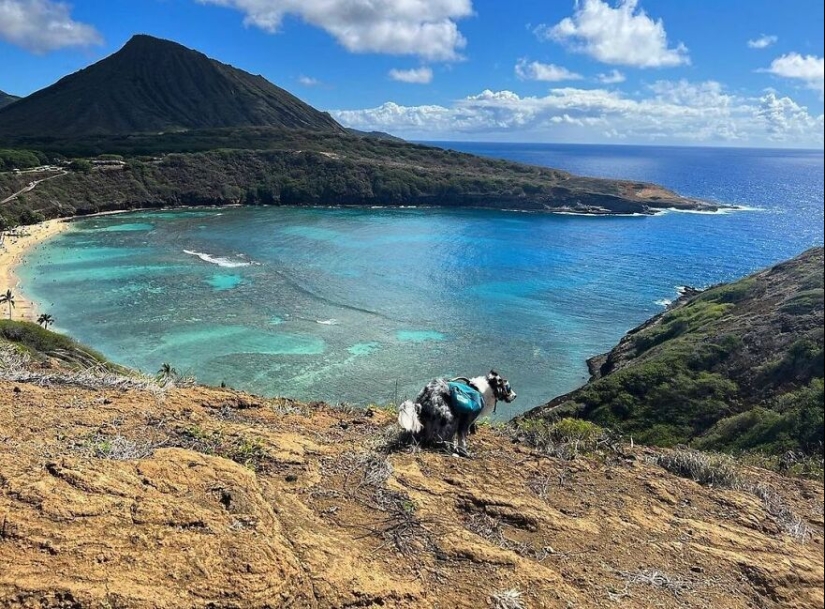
{"x":211,"y":498}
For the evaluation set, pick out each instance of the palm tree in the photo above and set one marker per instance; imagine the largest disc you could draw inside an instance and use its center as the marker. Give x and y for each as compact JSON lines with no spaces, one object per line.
{"x":166,"y":373}
{"x":45,"y":319}
{"x":9,"y":298}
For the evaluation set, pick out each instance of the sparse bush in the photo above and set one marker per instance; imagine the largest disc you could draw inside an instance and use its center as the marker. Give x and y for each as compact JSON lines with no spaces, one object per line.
{"x":673,"y":584}
{"x":118,"y":448}
{"x":249,"y":452}
{"x":708,"y":469}
{"x":506,"y":599}
{"x":565,"y":438}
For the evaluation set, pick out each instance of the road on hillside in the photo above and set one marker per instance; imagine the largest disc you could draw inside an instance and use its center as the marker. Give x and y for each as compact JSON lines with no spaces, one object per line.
{"x":31,"y":186}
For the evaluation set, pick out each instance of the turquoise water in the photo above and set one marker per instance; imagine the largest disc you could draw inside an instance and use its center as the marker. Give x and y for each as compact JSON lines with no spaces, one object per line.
{"x":365,"y":305}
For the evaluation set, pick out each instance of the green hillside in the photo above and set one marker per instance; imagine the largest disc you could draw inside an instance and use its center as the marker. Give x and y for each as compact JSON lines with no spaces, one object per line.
{"x":154,"y":85}
{"x":320,"y":168}
{"x":737,"y":367}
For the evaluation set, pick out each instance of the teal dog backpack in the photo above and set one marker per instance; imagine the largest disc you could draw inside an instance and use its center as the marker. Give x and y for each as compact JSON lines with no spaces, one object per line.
{"x":465,"y":399}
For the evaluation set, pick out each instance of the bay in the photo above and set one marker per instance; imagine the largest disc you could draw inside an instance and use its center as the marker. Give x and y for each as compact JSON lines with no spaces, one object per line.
{"x":365,"y":305}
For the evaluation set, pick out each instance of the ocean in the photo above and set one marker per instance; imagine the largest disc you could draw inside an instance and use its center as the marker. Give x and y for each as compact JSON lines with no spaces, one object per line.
{"x":365,"y":305}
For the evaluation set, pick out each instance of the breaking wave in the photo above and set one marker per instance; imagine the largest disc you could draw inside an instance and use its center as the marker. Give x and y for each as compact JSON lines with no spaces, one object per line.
{"x":228,"y":263}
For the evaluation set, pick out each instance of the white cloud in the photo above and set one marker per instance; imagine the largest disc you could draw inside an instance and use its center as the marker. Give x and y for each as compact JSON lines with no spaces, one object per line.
{"x":611,"y":78}
{"x":40,"y":26}
{"x":785,"y":119}
{"x":763,"y":42}
{"x":617,"y":36}
{"x":308,"y":81}
{"x":808,"y":69}
{"x":416,"y":76}
{"x":546,"y":72}
{"x":673,"y":112}
{"x":426,"y":28}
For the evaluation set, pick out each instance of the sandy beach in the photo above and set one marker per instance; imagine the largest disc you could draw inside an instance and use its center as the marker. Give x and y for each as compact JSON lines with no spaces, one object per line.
{"x":13,"y":253}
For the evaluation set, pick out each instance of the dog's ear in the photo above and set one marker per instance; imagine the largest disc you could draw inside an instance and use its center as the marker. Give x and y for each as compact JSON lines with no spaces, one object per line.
{"x":493,"y":374}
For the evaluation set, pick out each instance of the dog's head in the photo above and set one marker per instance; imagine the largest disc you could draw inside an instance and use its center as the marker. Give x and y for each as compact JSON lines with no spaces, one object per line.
{"x":501,"y":387}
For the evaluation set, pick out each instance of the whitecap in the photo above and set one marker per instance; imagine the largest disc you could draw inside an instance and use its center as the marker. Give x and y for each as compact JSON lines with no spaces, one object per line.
{"x":598,"y":215}
{"x":327,"y":322}
{"x":663,"y":302}
{"x":721,"y":211}
{"x":219,"y":260}
{"x":681,"y":290}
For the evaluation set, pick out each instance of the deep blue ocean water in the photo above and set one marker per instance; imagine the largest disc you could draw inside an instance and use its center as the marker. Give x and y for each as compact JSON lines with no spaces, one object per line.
{"x":365,"y":305}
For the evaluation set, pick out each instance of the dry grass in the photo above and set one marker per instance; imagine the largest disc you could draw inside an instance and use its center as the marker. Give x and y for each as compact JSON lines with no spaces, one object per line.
{"x":492,"y":529}
{"x":391,"y":517}
{"x":723,"y":471}
{"x":658,"y":579}
{"x":16,"y":367}
{"x":118,"y":448}
{"x":791,"y":523}
{"x":506,"y":599}
{"x":708,"y":469}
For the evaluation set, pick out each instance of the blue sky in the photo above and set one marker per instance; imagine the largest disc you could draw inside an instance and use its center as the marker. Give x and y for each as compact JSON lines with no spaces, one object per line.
{"x":702,"y":72}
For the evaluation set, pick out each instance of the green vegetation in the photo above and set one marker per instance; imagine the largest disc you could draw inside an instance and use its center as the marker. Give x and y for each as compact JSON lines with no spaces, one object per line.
{"x":737,"y":368}
{"x":793,"y":421}
{"x":42,"y":344}
{"x":21,"y":159}
{"x":166,"y":374}
{"x":8,"y":298}
{"x":45,"y":320}
{"x":565,"y":438}
{"x":309,"y":168}
{"x":80,"y":166}
{"x":249,"y":452}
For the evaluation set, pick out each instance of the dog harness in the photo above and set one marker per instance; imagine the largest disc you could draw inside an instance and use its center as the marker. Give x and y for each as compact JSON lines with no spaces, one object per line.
{"x":466,"y":399}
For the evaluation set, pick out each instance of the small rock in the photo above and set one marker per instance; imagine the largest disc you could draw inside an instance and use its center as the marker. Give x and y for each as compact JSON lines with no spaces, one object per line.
{"x":291,"y":478}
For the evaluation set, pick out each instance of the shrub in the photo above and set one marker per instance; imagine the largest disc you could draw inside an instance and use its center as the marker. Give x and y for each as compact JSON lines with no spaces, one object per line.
{"x":803,"y":302}
{"x":565,"y":438}
{"x":80,"y":166}
{"x":707,"y":469}
{"x":729,"y":293}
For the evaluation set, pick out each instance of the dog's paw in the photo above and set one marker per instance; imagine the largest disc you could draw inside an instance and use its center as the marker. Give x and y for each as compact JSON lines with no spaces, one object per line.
{"x":460,"y":451}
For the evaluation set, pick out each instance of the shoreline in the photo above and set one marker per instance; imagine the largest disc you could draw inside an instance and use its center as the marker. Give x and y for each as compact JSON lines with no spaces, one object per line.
{"x":13,"y":250}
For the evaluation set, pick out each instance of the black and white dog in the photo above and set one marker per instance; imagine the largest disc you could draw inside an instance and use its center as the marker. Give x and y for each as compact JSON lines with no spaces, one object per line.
{"x":434,"y":417}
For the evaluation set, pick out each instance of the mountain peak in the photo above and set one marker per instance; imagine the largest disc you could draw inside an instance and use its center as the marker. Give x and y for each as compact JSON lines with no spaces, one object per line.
{"x":153,"y":43}
{"x":155,"y":85}
{"x":6,"y":99}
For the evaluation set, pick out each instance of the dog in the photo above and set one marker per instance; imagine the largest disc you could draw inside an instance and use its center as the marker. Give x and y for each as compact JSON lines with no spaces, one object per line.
{"x":439,"y":413}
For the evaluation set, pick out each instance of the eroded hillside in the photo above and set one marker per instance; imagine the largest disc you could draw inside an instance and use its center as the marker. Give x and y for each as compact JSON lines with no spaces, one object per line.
{"x":118,"y":493}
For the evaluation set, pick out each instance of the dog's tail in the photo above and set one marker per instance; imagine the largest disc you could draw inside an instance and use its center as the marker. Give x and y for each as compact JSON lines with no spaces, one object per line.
{"x":408,"y":417}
